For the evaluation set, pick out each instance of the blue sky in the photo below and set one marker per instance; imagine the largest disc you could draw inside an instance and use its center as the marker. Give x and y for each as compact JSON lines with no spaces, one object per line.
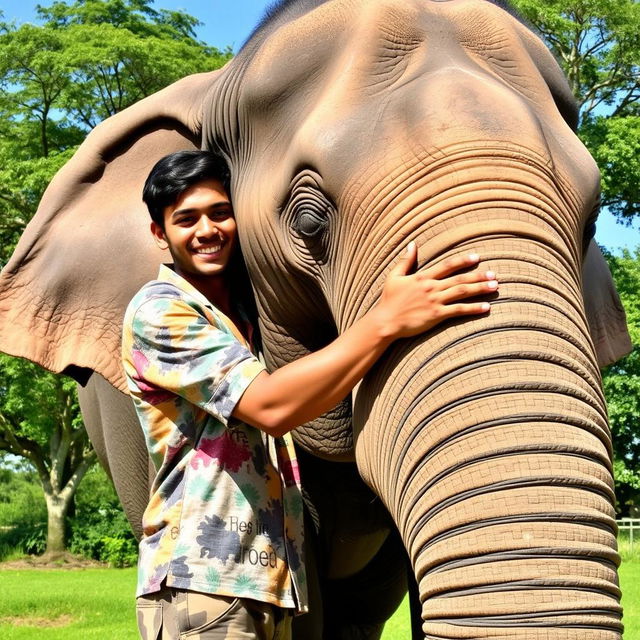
{"x":228,"y":23}
{"x":225,"y":22}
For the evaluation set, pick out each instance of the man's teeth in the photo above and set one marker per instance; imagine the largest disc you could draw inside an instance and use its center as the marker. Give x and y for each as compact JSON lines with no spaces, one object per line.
{"x":213,"y":249}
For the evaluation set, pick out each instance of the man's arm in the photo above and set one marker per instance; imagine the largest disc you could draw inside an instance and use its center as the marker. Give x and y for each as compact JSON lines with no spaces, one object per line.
{"x":409,"y":305}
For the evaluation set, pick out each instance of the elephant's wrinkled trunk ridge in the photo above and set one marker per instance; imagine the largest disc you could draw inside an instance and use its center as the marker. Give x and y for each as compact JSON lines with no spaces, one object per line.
{"x":488,"y":442}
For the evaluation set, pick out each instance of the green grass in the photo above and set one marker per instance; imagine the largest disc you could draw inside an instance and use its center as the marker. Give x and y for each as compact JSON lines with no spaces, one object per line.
{"x":92,"y":604}
{"x":399,"y":627}
{"x":97,"y":604}
{"x":630,"y":585}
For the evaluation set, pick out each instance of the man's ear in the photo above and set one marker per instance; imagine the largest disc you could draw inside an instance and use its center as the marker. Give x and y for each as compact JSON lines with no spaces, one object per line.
{"x":88,"y":249}
{"x":158,"y":235}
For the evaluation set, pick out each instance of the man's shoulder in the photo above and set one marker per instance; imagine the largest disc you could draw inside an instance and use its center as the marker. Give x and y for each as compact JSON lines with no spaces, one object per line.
{"x":160,"y":291}
{"x":160,"y":299}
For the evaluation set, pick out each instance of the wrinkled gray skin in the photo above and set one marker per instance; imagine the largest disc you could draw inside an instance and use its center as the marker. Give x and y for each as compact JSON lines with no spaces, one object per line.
{"x":352,"y":127}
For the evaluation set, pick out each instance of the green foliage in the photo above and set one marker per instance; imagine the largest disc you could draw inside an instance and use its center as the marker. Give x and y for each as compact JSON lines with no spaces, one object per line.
{"x":94,"y":58}
{"x":33,"y":402}
{"x":136,"y":16}
{"x":119,"y":552}
{"x":99,"y":529}
{"x":629,"y":548}
{"x":622,"y":384}
{"x":23,"y":513}
{"x":87,"y":61}
{"x":22,"y":183}
{"x":614,"y":143}
{"x":596,"y":43}
{"x":40,"y":421}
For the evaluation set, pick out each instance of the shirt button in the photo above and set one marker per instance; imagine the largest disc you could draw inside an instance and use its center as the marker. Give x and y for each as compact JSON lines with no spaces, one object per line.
{"x":174,"y":532}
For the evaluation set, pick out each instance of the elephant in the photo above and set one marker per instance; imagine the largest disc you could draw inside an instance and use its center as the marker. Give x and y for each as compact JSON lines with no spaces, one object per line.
{"x":477,"y":454}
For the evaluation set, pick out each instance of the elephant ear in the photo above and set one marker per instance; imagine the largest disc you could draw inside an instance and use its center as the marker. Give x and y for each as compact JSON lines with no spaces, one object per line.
{"x":88,"y":248}
{"x":605,"y":314}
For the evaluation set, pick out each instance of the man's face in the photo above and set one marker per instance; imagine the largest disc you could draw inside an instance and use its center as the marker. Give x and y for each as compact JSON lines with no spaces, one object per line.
{"x":199,"y":230}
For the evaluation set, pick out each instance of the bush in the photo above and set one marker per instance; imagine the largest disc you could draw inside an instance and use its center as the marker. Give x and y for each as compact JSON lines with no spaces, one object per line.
{"x":99,"y":528}
{"x":23,"y":513}
{"x":119,"y":552}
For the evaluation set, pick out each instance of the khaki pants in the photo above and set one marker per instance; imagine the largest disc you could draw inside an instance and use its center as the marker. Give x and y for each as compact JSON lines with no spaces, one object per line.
{"x":174,"y":614}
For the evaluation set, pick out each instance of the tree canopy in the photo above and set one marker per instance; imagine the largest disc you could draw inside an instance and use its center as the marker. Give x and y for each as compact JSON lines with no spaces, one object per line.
{"x":596,"y":43}
{"x":85,"y":62}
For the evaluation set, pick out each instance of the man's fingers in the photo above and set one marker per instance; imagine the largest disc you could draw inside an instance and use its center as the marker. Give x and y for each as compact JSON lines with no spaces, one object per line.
{"x":451,"y":265}
{"x":465,"y":278}
{"x":464,"y":309}
{"x":461,"y":291}
{"x":407,"y":262}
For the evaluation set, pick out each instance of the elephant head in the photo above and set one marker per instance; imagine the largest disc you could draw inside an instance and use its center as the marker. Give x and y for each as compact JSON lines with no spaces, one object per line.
{"x":352,"y":127}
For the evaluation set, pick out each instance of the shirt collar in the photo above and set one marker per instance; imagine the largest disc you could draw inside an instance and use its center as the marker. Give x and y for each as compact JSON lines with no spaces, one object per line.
{"x":167,"y":273}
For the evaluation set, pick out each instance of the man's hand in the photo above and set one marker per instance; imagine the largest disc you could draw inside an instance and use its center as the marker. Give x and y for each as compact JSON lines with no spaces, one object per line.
{"x":411,"y":304}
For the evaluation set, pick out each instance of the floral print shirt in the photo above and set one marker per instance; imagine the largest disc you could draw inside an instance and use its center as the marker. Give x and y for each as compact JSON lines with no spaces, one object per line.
{"x":225,"y":514}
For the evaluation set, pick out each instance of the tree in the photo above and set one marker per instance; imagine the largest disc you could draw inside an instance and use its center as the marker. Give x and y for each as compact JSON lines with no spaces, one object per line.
{"x":40,"y":421}
{"x":596,"y":43}
{"x":84,"y":62}
{"x":622,"y":384}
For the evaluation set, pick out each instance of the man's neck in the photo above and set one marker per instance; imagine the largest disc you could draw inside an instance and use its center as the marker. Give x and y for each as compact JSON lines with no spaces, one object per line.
{"x":213,"y":288}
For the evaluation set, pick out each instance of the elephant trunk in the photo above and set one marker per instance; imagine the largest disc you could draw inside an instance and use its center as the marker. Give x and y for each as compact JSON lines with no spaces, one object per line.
{"x":487,"y":439}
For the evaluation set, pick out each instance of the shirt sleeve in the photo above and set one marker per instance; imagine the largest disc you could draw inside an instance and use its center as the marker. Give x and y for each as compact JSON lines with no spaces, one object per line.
{"x":177,"y":349}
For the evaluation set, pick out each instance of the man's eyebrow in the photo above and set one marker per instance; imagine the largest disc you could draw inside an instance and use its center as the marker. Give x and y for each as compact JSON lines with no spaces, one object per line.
{"x":189,"y":210}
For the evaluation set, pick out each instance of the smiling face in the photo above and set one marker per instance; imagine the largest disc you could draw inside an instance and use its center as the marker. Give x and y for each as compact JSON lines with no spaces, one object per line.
{"x":200,"y":233}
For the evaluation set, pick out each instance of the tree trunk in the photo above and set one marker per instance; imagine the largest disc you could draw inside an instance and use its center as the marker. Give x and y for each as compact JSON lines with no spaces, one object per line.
{"x":56,"y":525}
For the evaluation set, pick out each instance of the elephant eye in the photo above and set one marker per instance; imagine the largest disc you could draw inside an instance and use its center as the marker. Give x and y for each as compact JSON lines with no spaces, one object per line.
{"x":309,"y":216}
{"x":310,"y":223}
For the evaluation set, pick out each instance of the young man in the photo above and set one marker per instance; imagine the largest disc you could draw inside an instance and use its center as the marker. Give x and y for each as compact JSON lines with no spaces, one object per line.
{"x":222,"y":547}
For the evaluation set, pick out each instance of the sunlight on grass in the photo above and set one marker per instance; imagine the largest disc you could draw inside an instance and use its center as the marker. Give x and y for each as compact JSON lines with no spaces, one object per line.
{"x":92,"y":604}
{"x":97,"y":604}
{"x":399,"y":627}
{"x":630,"y":585}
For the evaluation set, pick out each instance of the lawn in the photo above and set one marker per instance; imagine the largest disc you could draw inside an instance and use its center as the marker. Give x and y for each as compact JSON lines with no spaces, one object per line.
{"x":60,"y":604}
{"x":97,"y":604}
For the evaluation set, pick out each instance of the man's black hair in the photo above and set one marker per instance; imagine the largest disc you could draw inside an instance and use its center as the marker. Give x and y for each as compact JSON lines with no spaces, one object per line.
{"x":174,"y":174}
